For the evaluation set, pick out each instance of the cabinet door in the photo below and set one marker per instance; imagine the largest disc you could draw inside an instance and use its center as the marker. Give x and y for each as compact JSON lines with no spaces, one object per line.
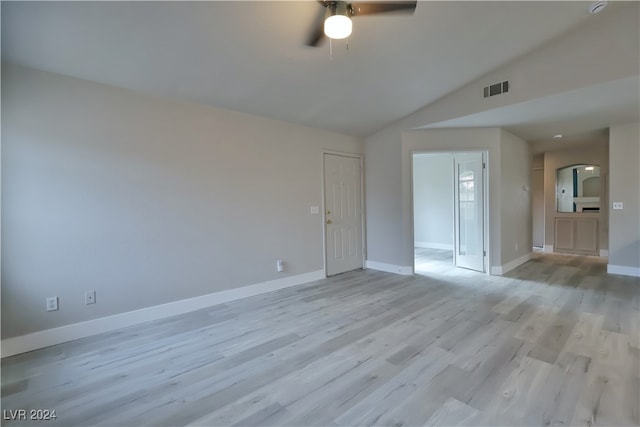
{"x":576,"y":235}
{"x":564,"y":234}
{"x":585,"y":235}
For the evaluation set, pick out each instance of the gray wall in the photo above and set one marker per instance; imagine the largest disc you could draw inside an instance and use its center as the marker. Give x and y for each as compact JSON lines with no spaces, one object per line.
{"x":144,"y":200}
{"x":593,"y":154}
{"x":383,"y":178}
{"x":516,"y":197}
{"x":473,"y":139}
{"x":433,"y":201}
{"x":624,"y":179}
{"x":612,"y":38}
{"x":537,"y":201}
{"x":509,"y":210}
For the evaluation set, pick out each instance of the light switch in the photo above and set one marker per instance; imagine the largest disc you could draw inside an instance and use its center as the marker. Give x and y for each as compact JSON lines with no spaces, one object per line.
{"x":618,"y":205}
{"x":315,"y":210}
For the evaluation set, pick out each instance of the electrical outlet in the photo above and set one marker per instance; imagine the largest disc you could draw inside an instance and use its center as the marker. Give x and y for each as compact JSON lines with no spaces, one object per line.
{"x":618,"y":206}
{"x":90,"y":297}
{"x":279,"y":266}
{"x":52,"y":303}
{"x":516,"y":247}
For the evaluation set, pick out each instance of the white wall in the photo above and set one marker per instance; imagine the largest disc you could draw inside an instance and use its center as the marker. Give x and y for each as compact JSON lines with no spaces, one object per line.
{"x":624,"y":182}
{"x":146,"y":201}
{"x":433,"y":201}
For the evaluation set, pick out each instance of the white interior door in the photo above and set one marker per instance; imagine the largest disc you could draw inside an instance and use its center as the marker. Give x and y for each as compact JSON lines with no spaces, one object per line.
{"x":469,"y":211}
{"x":343,"y":213}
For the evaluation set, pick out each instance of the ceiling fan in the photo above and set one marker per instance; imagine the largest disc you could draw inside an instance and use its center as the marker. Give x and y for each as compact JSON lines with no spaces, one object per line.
{"x":334,"y":19}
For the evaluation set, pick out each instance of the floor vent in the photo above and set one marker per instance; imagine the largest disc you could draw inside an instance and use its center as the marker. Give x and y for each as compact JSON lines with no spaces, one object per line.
{"x":496,"y":89}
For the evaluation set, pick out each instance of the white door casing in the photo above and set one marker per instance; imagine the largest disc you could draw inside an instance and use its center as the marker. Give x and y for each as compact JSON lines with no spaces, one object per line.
{"x":469,"y":247}
{"x":342,"y":213}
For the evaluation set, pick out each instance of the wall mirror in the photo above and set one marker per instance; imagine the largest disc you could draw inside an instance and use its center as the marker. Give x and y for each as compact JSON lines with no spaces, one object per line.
{"x":578,"y":188}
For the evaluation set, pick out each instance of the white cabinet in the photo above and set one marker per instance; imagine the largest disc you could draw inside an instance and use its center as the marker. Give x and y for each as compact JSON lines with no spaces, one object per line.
{"x":576,"y":235}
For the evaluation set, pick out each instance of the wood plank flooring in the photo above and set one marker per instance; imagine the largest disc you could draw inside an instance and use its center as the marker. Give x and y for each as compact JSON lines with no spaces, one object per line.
{"x":554,"y":342}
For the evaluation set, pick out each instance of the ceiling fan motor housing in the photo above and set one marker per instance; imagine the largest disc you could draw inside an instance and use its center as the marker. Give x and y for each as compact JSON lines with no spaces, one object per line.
{"x":334,"y":21}
{"x":339,"y":8}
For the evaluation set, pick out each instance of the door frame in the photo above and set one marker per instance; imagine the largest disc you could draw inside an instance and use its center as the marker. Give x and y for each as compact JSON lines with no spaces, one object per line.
{"x":487,"y":207}
{"x":362,"y":206}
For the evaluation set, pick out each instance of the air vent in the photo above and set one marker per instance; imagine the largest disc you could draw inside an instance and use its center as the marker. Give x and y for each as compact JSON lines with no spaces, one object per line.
{"x":496,"y":89}
{"x":597,"y":7}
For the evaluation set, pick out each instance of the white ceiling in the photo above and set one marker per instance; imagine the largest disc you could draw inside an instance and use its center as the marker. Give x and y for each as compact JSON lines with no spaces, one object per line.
{"x":582,"y":116}
{"x":250,"y":56}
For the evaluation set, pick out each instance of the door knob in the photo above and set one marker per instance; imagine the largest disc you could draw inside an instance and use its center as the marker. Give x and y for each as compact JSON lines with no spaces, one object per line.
{"x":329,"y":221}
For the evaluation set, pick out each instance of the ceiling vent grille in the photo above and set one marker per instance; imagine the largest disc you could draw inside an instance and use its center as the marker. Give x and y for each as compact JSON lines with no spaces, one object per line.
{"x":495,"y":89}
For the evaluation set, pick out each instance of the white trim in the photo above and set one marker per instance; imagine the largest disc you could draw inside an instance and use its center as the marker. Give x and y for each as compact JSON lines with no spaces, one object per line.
{"x":406,"y":270}
{"x":499,"y":271}
{"x":547,"y":248}
{"x":48,"y":337}
{"x":604,"y":253}
{"x":434,"y":245}
{"x":623,"y":270}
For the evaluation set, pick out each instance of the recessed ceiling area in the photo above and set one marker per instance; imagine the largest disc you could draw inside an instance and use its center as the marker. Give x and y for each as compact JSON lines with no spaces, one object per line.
{"x":251,"y":56}
{"x":581,"y":116}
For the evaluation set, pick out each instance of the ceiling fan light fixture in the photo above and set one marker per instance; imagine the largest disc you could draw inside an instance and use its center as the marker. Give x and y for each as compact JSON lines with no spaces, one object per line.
{"x":338,"y":24}
{"x":338,"y":27}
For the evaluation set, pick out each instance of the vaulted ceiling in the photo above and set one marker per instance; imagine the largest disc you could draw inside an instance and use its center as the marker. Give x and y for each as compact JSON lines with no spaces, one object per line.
{"x":251,"y":57}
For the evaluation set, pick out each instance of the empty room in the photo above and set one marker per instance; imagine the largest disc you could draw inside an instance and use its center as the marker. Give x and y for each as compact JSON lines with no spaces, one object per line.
{"x":320,"y":213}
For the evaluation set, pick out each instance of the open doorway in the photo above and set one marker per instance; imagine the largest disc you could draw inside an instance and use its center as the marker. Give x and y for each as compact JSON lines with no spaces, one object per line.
{"x":432,"y":212}
{"x":449,"y":199}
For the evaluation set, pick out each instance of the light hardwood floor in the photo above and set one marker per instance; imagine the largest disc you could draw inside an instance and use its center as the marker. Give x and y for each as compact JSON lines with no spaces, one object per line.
{"x":555,"y":342}
{"x":430,"y":261}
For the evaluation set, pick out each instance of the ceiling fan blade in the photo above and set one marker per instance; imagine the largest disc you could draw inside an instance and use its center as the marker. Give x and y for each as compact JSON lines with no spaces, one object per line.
{"x":317,"y":29}
{"x":374,"y":8}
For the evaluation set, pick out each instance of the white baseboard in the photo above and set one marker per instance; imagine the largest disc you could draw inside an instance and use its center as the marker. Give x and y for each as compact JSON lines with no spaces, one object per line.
{"x":433,"y":245}
{"x":547,"y":248}
{"x":499,"y":271}
{"x":604,"y":253}
{"x":623,"y":270}
{"x":48,"y":337}
{"x":389,"y":268}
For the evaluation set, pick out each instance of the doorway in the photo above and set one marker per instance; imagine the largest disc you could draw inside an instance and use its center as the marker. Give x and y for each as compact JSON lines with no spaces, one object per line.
{"x":343,"y":221}
{"x":449,"y":210}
